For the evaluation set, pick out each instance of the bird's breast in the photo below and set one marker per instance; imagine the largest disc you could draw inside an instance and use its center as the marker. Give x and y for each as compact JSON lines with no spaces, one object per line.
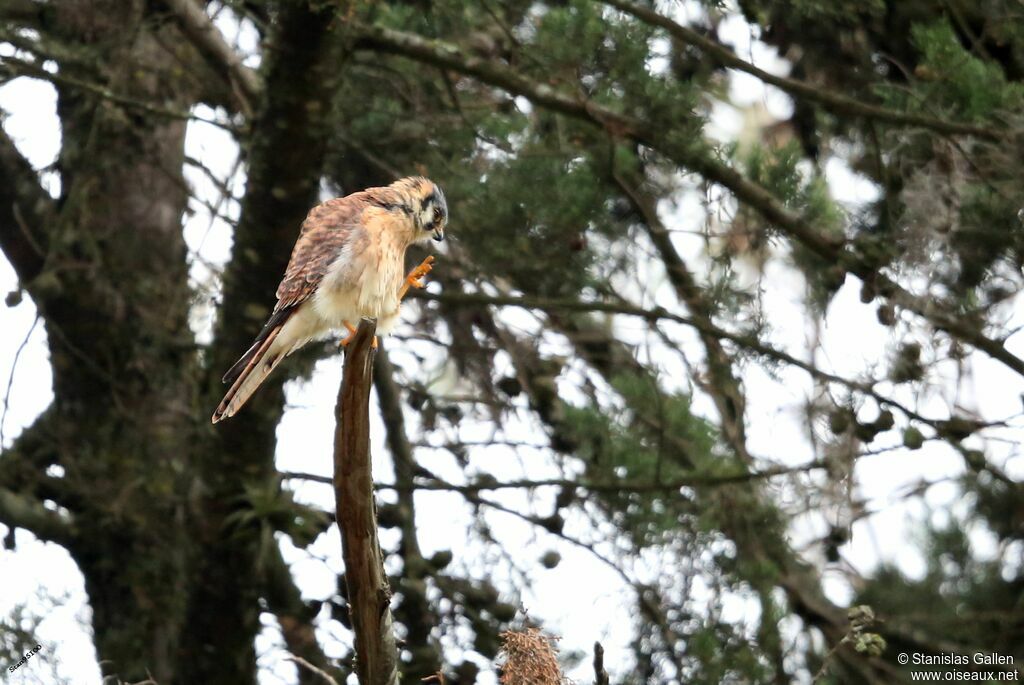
{"x":363,"y":280}
{"x":378,"y":287}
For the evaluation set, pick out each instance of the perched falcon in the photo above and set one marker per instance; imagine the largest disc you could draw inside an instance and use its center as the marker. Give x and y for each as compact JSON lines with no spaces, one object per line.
{"x":346,"y":265}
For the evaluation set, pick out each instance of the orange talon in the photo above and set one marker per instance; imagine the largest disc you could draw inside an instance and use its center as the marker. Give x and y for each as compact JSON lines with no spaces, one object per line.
{"x":413,"y":279}
{"x":351,"y":334}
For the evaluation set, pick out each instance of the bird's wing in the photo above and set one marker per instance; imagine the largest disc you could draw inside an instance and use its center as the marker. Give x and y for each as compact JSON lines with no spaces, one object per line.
{"x":325,"y":233}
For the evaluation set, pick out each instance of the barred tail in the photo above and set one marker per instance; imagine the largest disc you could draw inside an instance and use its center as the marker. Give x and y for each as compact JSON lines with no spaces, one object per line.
{"x":248,"y":373}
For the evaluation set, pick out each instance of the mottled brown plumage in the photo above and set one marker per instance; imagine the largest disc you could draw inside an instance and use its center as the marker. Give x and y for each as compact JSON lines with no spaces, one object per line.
{"x":347,"y":264}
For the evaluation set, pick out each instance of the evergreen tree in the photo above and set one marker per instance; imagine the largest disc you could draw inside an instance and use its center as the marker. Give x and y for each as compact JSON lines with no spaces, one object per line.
{"x":576,"y":141}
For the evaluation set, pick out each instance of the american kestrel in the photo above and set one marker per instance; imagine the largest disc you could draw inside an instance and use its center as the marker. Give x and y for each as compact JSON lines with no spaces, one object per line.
{"x":346,"y":265}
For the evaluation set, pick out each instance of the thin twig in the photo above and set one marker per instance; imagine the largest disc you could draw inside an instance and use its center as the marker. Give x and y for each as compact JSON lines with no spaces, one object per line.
{"x":660,"y":313}
{"x":311,"y":668}
{"x":10,"y":378}
{"x":692,"y":481}
{"x":21,"y":67}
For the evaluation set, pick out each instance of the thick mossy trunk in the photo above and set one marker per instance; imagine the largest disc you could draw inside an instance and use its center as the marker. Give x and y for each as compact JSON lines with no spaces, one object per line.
{"x":174,"y":584}
{"x":114,"y":295}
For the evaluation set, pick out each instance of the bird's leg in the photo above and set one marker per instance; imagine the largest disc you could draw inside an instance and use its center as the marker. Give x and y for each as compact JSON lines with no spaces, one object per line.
{"x":413,"y":279}
{"x":351,"y":334}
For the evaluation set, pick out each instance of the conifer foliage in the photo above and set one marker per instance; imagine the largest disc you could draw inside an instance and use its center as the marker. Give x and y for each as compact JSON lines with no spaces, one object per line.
{"x":627,"y":354}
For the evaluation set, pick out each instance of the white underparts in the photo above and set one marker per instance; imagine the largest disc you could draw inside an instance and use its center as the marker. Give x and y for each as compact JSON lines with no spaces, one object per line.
{"x":349,"y":291}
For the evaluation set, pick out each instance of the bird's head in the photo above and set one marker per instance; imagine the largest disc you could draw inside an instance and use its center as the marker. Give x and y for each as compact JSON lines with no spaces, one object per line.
{"x":426,"y":206}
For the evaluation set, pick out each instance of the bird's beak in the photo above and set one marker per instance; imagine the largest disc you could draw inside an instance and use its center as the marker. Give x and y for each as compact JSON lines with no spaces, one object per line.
{"x":438,"y":234}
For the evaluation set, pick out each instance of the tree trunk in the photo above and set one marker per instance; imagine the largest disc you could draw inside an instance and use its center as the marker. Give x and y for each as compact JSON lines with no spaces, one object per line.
{"x":285,"y":157}
{"x":148,"y":484}
{"x":114,"y":295}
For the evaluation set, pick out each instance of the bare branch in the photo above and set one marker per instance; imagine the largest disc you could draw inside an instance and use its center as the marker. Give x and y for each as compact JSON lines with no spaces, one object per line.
{"x":294,"y":616}
{"x":19,"y":67}
{"x":10,"y":379}
{"x":667,"y":486}
{"x":313,"y":669}
{"x":368,"y":592}
{"x":23,"y":465}
{"x":19,"y":511}
{"x":244,"y":83}
{"x":600,"y":675}
{"x":748,"y":342}
{"x":25,"y":211}
{"x":648,"y":597}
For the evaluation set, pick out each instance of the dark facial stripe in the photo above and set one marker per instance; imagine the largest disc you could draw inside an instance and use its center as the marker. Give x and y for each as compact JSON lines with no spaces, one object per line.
{"x":392,"y":206}
{"x":438,"y":199}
